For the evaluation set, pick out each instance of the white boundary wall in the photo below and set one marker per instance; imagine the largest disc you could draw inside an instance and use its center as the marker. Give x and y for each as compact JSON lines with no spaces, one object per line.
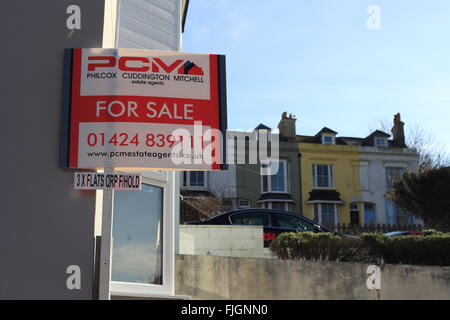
{"x":227,"y":241}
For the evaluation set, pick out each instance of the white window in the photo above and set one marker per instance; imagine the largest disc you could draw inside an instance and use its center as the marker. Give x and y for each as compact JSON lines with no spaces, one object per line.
{"x":393,"y":174}
{"x":325,"y":214}
{"x":142,"y":262}
{"x":403,"y":217}
{"x":243,"y":204}
{"x":277,"y":182}
{"x":380,"y":142}
{"x":195,"y":179}
{"x":323,"y":176}
{"x":278,"y":205}
{"x":328,"y":139}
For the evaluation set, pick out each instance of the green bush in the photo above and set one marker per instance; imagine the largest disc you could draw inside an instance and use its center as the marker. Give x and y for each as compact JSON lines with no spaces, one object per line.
{"x":433,"y":248}
{"x":319,"y":246}
{"x":430,"y":232}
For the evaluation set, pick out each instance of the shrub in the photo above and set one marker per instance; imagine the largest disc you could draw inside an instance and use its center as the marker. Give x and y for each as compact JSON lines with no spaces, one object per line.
{"x":433,"y":248}
{"x":319,"y":246}
{"x":429,"y":232}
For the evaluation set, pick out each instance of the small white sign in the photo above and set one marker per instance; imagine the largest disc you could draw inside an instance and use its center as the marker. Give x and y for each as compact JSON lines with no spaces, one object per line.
{"x":107,"y":181}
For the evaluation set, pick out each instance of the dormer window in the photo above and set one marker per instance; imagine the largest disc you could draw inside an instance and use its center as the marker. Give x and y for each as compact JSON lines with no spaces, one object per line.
{"x":380,"y":142}
{"x":328,"y":139}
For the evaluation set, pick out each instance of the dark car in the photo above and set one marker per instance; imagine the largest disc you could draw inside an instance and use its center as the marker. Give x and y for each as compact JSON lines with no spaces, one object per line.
{"x":403,"y":233}
{"x":273,"y":221}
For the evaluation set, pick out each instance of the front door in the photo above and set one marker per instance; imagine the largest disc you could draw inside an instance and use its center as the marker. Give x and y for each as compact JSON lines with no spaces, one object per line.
{"x":354,"y":214}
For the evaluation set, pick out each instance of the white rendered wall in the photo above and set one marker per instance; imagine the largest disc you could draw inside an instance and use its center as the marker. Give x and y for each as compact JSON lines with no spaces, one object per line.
{"x":374,"y":161}
{"x":223,"y":183}
{"x":227,"y":241}
{"x":149,"y":24}
{"x":155,"y":25}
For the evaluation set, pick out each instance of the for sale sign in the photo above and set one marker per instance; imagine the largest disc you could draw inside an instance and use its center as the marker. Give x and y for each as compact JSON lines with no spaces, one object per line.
{"x":107,"y":181}
{"x":144,"y":109}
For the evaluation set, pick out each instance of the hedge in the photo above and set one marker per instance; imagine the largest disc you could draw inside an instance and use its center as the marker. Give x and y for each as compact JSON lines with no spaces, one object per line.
{"x":433,"y":248}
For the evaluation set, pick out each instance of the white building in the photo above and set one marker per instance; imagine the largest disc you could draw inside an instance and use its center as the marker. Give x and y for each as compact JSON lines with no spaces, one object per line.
{"x":382,"y":160}
{"x":377,"y":165}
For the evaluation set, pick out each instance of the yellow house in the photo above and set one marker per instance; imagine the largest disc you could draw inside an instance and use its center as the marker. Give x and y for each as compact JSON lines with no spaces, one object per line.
{"x":330,"y":179}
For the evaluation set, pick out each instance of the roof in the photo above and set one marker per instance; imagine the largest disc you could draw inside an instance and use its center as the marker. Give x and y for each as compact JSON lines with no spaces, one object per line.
{"x":274,"y":196}
{"x":326,"y":130}
{"x":350,"y":141}
{"x":263,"y":127}
{"x":318,"y":137}
{"x":321,"y":196}
{"x":368,"y":141}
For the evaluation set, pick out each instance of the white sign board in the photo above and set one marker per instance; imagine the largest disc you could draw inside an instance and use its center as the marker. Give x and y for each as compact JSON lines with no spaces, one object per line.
{"x":107,"y":181}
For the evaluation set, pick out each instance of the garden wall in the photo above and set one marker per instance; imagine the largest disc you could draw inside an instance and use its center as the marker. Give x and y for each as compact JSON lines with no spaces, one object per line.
{"x":214,"y":277}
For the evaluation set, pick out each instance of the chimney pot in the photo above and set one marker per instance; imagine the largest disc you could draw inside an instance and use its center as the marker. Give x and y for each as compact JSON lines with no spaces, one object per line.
{"x":398,"y":132}
{"x":287,"y":126}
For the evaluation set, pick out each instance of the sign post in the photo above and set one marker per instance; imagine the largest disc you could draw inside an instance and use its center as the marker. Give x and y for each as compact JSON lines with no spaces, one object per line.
{"x":106,"y":242}
{"x":129,"y":109}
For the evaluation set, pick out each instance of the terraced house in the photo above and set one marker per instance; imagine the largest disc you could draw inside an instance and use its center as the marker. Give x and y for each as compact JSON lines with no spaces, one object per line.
{"x":243,"y":185}
{"x":345,"y":179}
{"x":330,"y":173}
{"x":328,"y":178}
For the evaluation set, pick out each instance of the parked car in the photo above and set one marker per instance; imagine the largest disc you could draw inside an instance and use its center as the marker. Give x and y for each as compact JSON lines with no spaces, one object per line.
{"x":274,"y":222}
{"x":403,"y":233}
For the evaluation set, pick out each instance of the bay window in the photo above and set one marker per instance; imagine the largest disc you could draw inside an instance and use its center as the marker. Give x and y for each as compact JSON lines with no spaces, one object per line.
{"x":325,"y":213}
{"x":278,"y":181}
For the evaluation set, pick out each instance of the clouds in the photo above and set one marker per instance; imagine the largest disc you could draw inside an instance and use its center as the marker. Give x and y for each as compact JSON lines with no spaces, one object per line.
{"x":136,"y":263}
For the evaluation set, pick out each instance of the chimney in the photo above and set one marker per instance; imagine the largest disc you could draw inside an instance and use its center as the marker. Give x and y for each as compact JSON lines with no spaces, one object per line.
{"x":287,"y":125}
{"x":397,"y":131}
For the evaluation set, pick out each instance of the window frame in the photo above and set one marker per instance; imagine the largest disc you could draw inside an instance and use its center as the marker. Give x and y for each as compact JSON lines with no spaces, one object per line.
{"x":243,"y":207}
{"x":187,"y":180}
{"x":319,"y":212}
{"x":166,"y":181}
{"x":328,"y":135}
{"x":384,"y":144}
{"x":286,"y":205}
{"x":387,"y":168}
{"x":269,"y":180}
{"x":330,"y":171}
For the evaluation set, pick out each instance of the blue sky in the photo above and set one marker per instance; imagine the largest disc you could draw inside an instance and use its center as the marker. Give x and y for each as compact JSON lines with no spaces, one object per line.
{"x":318,"y":60}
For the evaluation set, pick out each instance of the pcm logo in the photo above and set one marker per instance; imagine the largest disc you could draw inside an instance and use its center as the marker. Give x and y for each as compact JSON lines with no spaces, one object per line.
{"x":143,"y":64}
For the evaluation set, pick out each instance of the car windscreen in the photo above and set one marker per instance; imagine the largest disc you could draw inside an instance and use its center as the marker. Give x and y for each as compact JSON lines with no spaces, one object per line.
{"x":251,"y":218}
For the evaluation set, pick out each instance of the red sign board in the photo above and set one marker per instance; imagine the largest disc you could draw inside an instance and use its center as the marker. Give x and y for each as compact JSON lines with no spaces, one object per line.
{"x":144,"y":109}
